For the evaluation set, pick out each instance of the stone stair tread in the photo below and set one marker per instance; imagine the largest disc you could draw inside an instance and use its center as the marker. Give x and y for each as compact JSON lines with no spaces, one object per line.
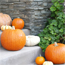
{"x":24,"y":56}
{"x":5,"y":53}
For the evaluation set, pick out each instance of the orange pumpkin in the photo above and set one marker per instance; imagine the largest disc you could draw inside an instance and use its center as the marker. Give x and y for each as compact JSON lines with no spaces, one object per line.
{"x":55,"y":53}
{"x":13,"y":39}
{"x":18,"y":23}
{"x":5,"y":19}
{"x":39,"y":60}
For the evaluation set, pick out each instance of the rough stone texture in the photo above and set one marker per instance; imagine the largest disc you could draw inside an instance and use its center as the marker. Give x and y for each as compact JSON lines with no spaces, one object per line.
{"x":33,"y":12}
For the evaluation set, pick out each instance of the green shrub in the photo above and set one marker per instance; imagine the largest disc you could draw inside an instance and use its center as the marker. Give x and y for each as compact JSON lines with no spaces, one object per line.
{"x":54,"y":30}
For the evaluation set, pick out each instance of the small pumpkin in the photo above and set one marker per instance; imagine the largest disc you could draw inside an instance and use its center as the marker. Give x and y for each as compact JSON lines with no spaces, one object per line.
{"x":3,"y":27}
{"x":40,"y":60}
{"x":18,"y":23}
{"x":5,"y":19}
{"x":55,"y":53}
{"x":48,"y":63}
{"x":32,"y":40}
{"x":13,"y":39}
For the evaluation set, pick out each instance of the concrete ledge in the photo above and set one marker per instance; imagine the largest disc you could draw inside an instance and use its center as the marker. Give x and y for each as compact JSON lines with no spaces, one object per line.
{"x":25,"y":56}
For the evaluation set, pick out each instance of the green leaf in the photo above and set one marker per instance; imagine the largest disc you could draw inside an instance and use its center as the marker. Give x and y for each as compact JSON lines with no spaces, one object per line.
{"x":54,"y":1}
{"x":53,"y":14}
{"x":53,"y":8}
{"x":60,"y":7}
{"x":50,"y":27}
{"x":45,"y":30}
{"x":49,"y":21}
{"x":43,"y":40}
{"x":56,"y":4}
{"x":60,"y":14}
{"x":57,"y":37}
{"x":56,"y":30}
{"x":61,"y":30}
{"x":41,"y":34}
{"x":64,"y":16}
{"x":52,"y":32}
{"x":59,"y":17}
{"x":54,"y":22}
{"x":61,"y":1}
{"x":52,"y":42}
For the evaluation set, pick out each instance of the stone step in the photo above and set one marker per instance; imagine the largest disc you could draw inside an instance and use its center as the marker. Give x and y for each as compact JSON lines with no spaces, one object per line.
{"x":24,"y":56}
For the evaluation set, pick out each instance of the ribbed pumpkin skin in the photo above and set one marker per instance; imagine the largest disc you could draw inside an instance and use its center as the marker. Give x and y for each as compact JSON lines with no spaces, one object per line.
{"x":13,"y":39}
{"x":5,"y":19}
{"x":55,"y":54}
{"x":18,"y":23}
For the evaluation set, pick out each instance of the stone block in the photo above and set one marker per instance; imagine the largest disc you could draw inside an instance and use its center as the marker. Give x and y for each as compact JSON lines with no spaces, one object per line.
{"x":3,"y":0}
{"x":37,"y":13}
{"x":13,"y":0}
{"x":45,"y":4}
{"x":11,"y":6}
{"x":25,"y":0}
{"x":39,"y":3}
{"x":38,"y":0}
{"x":4,"y":6}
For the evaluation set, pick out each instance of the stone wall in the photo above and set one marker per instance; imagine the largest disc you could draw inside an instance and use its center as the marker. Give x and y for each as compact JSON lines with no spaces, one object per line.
{"x":33,"y":12}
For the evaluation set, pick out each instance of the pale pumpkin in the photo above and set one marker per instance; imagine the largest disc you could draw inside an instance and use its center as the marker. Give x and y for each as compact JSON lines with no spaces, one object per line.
{"x":48,"y":63}
{"x":55,"y":53}
{"x":32,"y":40}
{"x":13,"y":39}
{"x":5,"y":19}
{"x":3,"y":27}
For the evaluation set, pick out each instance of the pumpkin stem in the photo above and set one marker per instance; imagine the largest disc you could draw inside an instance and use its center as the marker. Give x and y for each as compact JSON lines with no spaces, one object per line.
{"x":18,"y":17}
{"x":13,"y":27}
{"x":55,"y":44}
{"x":40,"y":55}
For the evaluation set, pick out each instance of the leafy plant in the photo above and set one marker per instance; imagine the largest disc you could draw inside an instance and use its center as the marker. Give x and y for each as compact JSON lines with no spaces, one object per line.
{"x":54,"y":30}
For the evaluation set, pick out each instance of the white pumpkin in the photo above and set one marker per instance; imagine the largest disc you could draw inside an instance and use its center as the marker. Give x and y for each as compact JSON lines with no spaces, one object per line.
{"x":4,"y":27}
{"x":48,"y":63}
{"x":32,"y":40}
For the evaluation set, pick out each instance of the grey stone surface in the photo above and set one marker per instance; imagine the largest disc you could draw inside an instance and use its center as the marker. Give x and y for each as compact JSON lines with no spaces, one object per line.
{"x":28,"y":10}
{"x":59,"y":64}
{"x":25,"y":56}
{"x":26,"y":31}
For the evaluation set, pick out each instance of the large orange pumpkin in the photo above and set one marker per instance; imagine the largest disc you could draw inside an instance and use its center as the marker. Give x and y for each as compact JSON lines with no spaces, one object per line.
{"x":18,"y":23}
{"x":13,"y":39}
{"x":5,"y":19}
{"x":55,"y":53}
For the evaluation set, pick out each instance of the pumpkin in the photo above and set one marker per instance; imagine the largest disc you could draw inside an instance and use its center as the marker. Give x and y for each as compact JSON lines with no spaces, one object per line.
{"x":5,"y":19}
{"x":55,"y":53}
{"x":32,"y":40}
{"x":3,"y":27}
{"x":13,"y":39}
{"x":40,"y":60}
{"x":48,"y":63}
{"x":18,"y":23}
